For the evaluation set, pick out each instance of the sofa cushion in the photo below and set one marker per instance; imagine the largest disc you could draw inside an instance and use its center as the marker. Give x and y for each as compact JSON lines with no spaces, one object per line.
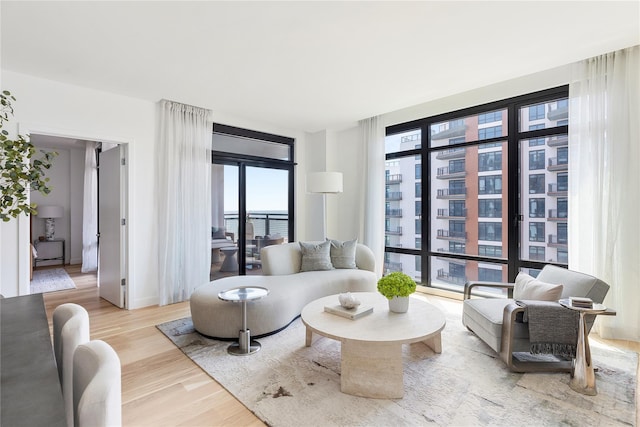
{"x":315,"y":256}
{"x":529,"y":288}
{"x":343,"y":254}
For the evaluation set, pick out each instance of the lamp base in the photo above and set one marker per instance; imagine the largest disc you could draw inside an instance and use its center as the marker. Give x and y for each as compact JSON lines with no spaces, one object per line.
{"x":49,"y":229}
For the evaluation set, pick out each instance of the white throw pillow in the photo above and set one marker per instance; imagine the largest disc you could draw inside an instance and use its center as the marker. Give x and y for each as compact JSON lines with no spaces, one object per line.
{"x":529,"y":288}
{"x":315,"y":256}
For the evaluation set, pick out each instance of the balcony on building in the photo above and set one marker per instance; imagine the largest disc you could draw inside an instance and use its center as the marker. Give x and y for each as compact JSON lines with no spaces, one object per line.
{"x":555,"y":165}
{"x":393,"y":231}
{"x":452,"y":153}
{"x":555,"y":215}
{"x":458,"y":236}
{"x":558,"y":141}
{"x":455,"y":129}
{"x":393,"y":196}
{"x":557,"y":242}
{"x":394,"y":179}
{"x":445,"y":276}
{"x":447,"y":214}
{"x":393,"y":213}
{"x":392,"y":266}
{"x":446,"y":172}
{"x":451,"y":260}
{"x":554,"y":190}
{"x":555,"y":114}
{"x":453,"y":193}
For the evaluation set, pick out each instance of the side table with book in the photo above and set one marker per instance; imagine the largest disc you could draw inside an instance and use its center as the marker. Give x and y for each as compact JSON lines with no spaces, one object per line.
{"x":583,"y":379}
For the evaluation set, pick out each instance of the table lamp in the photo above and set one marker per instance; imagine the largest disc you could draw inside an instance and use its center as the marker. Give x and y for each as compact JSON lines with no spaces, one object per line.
{"x":50,"y":213}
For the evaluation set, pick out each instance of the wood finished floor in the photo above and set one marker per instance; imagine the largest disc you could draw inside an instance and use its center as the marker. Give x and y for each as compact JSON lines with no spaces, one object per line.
{"x":160,"y":385}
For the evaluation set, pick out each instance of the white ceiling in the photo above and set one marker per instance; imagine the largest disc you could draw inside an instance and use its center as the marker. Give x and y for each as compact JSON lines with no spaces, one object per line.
{"x":305,"y":65}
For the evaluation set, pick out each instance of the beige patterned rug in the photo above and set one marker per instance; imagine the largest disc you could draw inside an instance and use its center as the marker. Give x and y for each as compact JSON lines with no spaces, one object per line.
{"x":288,"y":384}
{"x":50,"y":280}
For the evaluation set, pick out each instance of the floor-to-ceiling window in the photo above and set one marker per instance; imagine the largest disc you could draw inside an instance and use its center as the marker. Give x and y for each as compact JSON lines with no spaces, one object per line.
{"x":252,"y":200}
{"x":489,"y":186}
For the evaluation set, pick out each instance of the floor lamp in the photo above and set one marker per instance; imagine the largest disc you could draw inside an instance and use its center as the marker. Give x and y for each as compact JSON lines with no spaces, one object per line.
{"x":324,"y":183}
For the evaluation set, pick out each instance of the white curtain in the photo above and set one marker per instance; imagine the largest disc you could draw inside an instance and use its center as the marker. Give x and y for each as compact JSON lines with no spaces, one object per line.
{"x":90,"y":210}
{"x":372,"y":180}
{"x":604,"y":173}
{"x":184,"y":205}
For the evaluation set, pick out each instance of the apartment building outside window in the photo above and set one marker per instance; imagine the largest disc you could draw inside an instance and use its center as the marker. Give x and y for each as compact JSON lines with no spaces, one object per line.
{"x":494,"y":179}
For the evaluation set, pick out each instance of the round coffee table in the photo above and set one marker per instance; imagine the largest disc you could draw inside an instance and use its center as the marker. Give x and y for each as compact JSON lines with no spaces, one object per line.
{"x":371,"y":346}
{"x":245,"y":345}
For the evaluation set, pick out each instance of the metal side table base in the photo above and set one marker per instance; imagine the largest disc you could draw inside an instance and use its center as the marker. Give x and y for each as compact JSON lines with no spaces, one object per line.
{"x":245,"y":345}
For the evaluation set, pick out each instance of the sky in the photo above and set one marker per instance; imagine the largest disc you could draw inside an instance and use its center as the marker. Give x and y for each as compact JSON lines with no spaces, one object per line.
{"x":267,"y":189}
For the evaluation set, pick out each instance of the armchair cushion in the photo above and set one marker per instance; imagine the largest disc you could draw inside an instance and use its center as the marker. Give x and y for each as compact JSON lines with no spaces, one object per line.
{"x":528,"y":288}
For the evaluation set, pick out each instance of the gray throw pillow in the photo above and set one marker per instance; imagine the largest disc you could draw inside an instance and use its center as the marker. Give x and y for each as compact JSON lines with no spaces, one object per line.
{"x":343,"y":254}
{"x":315,"y":256}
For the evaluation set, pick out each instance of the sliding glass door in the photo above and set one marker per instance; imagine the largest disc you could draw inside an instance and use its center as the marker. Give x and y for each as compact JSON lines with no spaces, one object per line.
{"x":252,"y":200}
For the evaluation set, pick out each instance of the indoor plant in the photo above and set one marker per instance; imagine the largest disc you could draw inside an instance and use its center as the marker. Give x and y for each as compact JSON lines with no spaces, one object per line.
{"x":19,"y":171}
{"x":397,"y":287}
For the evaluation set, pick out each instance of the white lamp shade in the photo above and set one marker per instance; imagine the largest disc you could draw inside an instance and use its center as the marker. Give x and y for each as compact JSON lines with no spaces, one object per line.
{"x":50,"y":211}
{"x":324,"y":182}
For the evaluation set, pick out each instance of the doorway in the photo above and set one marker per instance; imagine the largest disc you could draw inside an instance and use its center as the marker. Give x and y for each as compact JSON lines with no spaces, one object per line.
{"x":62,"y":255}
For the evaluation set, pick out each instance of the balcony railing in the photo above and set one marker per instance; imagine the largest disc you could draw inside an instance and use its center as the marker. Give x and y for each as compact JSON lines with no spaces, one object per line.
{"x":394,"y":179}
{"x":452,"y":153}
{"x":394,"y":213}
{"x":446,"y":213}
{"x":453,"y":131}
{"x":558,"y":113}
{"x":557,"y":242}
{"x":452,"y":193}
{"x":555,"y":164}
{"x":446,"y":172}
{"x":452,"y":235}
{"x":393,"y":195}
{"x":264,"y":223}
{"x":396,"y":231}
{"x":558,"y":141}
{"x":392,"y":266}
{"x":555,"y":215}
{"x":445,"y":276}
{"x":555,"y":190}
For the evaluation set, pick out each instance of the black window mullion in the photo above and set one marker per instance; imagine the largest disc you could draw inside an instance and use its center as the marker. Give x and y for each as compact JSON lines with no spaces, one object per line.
{"x":513,"y":204}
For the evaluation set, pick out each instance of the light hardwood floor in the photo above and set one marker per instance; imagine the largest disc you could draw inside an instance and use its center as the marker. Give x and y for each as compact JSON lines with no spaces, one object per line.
{"x":160,"y":385}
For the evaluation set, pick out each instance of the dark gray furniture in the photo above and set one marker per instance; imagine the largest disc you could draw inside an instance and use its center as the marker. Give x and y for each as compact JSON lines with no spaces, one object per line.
{"x":497,"y":321}
{"x":30,"y":394}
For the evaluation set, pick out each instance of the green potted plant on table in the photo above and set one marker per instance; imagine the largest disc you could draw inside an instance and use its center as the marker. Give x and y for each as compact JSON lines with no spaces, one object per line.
{"x":397,"y":287}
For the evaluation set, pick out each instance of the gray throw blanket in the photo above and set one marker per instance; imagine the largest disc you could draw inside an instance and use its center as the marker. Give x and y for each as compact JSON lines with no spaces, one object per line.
{"x":553,"y":329}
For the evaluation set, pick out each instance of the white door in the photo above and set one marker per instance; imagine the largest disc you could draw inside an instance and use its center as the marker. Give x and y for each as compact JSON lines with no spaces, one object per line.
{"x":112,"y":226}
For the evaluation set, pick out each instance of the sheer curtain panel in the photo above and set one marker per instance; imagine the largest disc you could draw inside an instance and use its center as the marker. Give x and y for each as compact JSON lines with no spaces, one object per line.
{"x":372,"y":180}
{"x":184,"y":200}
{"x":604,"y":171}
{"x":90,"y":209}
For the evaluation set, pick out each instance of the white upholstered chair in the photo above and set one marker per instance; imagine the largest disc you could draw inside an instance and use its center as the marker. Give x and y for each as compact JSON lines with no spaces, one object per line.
{"x":97,"y":393}
{"x":70,"y":329}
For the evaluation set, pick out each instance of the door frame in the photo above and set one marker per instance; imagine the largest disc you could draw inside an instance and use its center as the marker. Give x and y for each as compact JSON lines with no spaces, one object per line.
{"x":23,"y":223}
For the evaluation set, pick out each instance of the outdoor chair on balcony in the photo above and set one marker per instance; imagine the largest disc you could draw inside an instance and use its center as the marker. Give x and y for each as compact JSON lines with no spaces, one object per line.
{"x":499,"y":321}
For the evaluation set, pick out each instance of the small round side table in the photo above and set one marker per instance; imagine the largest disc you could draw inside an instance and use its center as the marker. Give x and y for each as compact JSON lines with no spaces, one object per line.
{"x":245,"y":345}
{"x":583,"y":379}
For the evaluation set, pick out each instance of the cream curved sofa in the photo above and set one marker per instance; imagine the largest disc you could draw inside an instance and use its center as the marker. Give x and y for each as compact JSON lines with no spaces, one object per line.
{"x":289,"y":291}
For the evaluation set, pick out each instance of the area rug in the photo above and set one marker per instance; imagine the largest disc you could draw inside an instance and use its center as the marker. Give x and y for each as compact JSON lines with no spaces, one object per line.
{"x":54,"y":279}
{"x":288,"y":384}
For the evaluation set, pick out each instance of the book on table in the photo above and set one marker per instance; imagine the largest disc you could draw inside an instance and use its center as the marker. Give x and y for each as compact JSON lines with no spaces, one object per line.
{"x":349,"y":313}
{"x":581,"y":302}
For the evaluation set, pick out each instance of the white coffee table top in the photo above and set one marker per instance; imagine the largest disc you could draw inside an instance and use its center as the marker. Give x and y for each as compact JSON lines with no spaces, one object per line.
{"x":419,"y":323}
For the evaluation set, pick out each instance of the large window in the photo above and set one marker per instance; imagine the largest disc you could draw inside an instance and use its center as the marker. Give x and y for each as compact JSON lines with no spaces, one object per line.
{"x":493,"y":189}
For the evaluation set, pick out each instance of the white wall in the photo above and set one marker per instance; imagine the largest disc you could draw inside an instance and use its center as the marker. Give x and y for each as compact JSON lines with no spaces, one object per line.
{"x":48,"y":107}
{"x":66,"y":183}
